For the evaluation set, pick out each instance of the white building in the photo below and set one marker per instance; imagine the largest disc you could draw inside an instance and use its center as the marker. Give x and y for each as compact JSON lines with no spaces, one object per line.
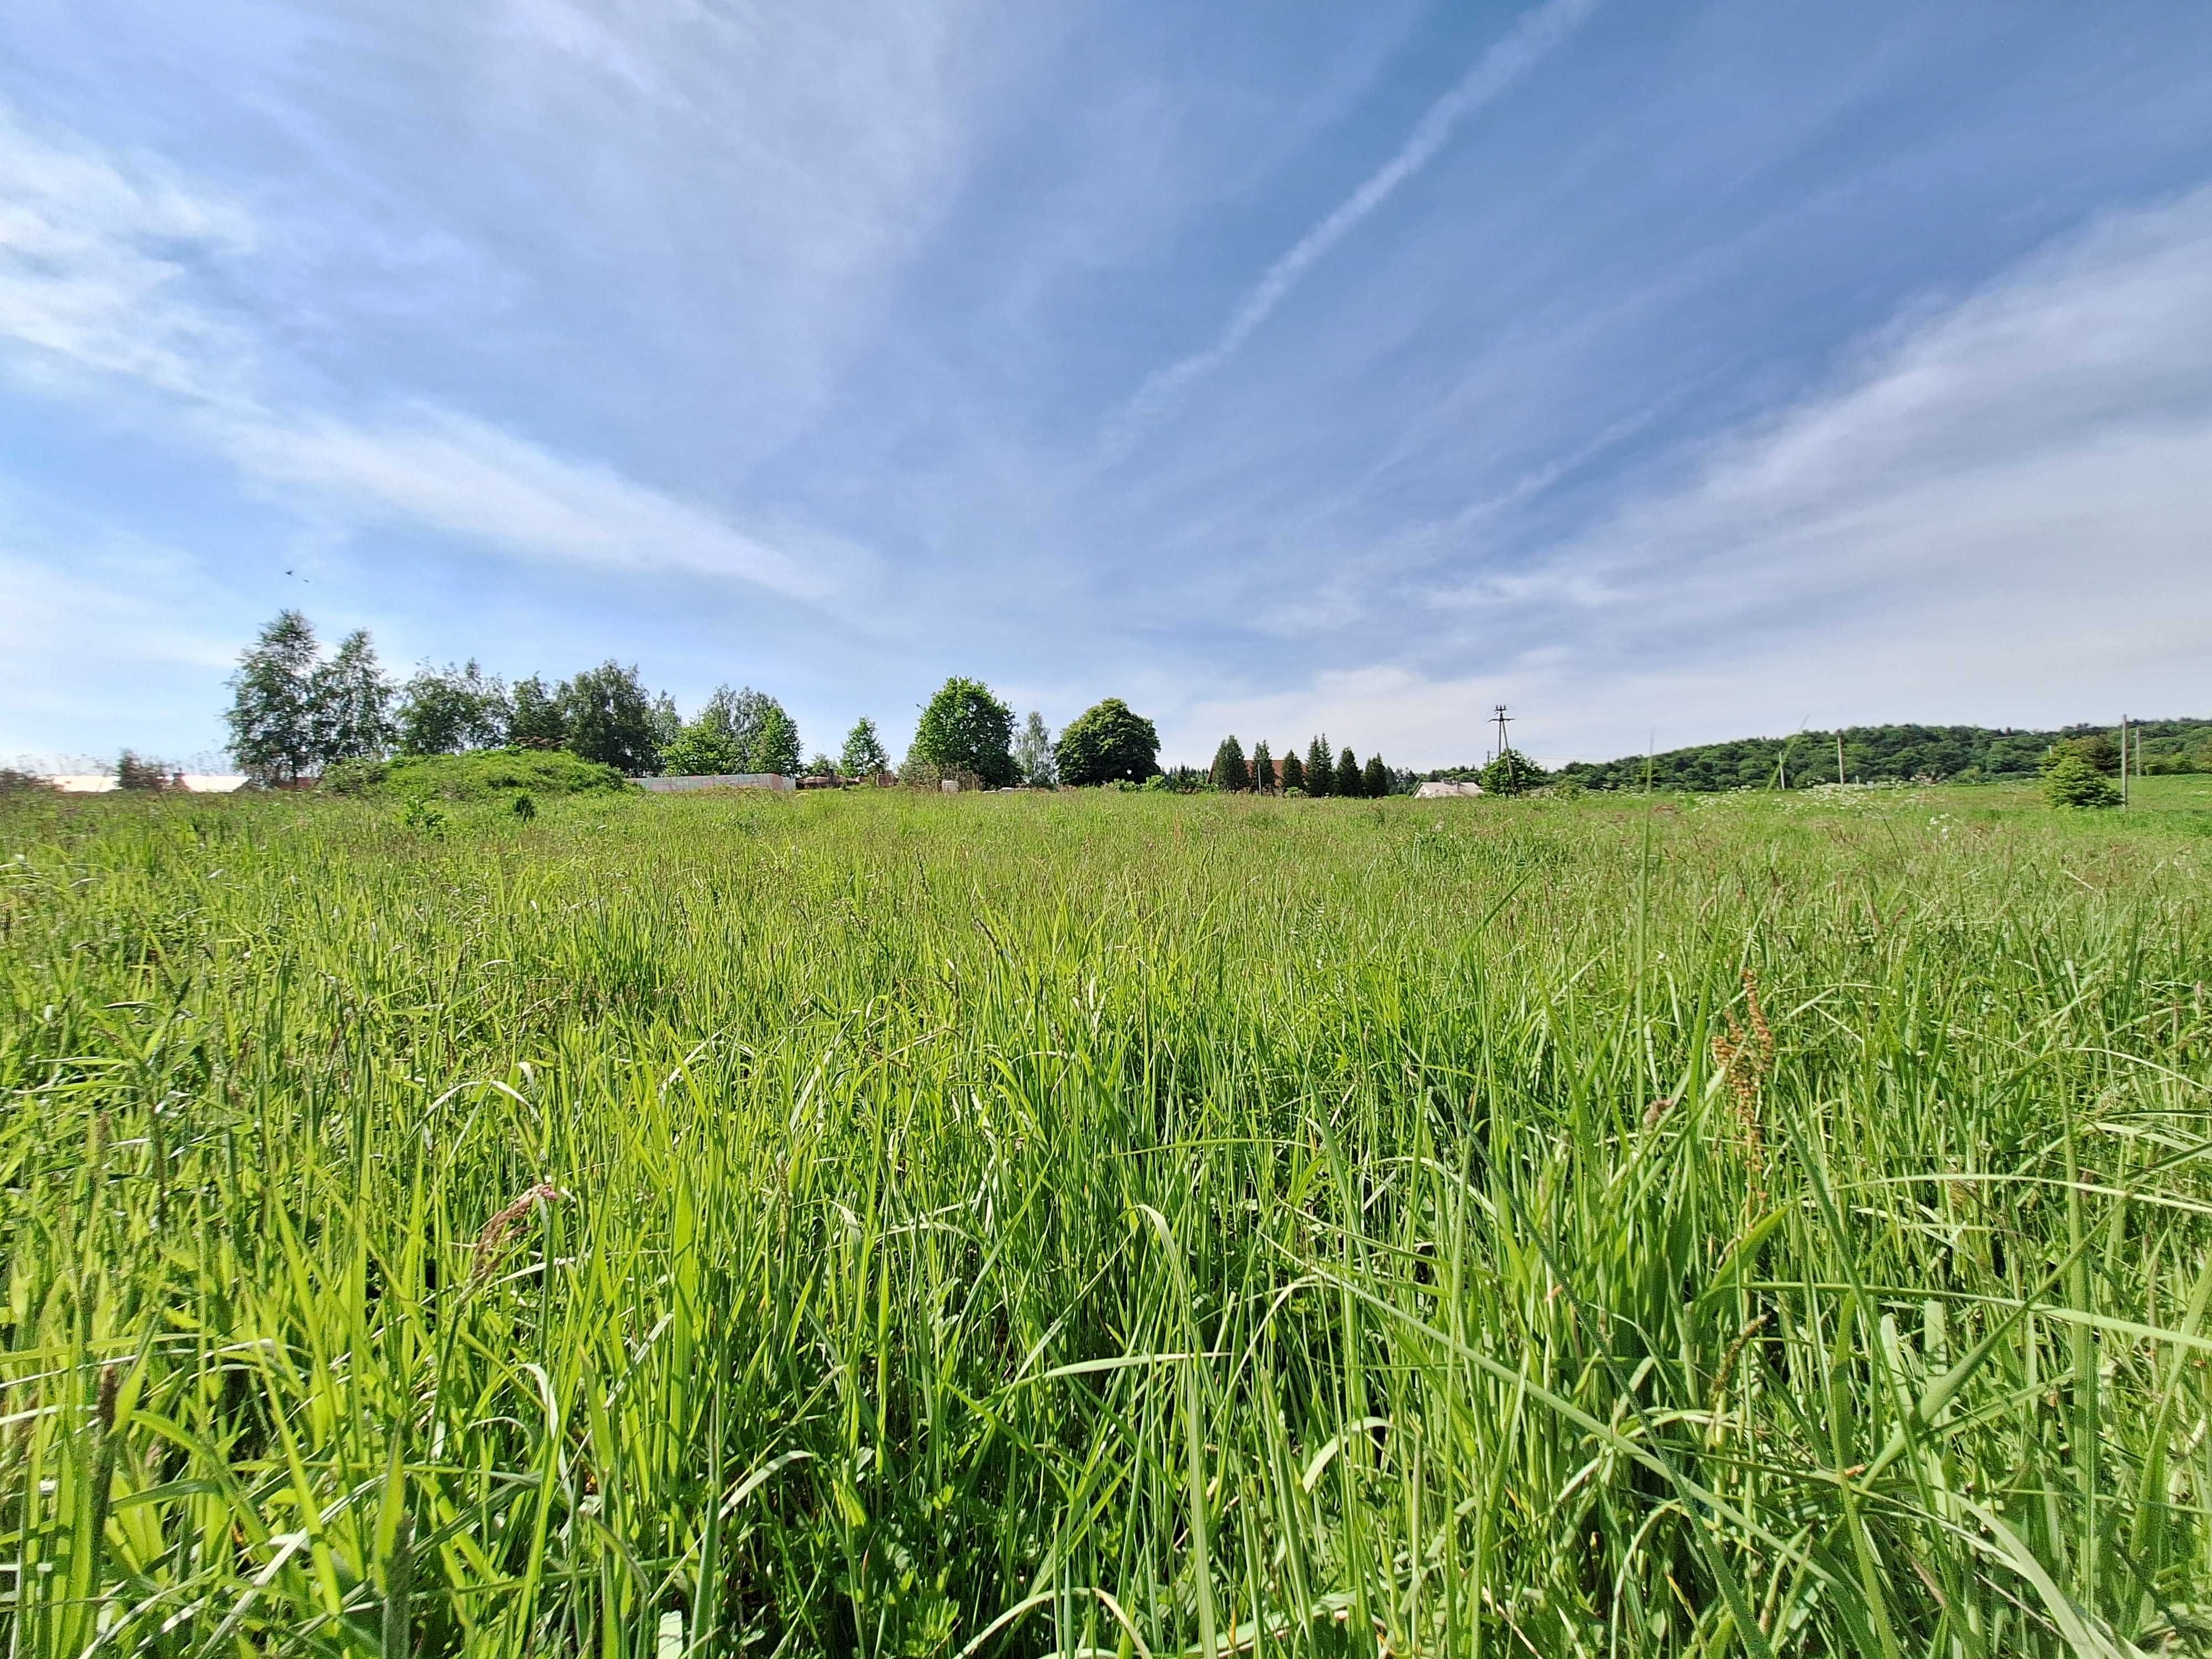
{"x":1439,"y":790}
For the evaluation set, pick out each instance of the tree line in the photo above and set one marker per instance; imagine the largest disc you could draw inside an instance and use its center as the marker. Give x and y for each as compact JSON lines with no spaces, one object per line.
{"x":1880,"y":754}
{"x":296,"y":711}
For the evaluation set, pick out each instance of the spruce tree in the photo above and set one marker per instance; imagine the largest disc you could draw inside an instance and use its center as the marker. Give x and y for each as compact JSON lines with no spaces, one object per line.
{"x":1230,"y":773}
{"x":1263,"y":769}
{"x":1375,"y":781}
{"x":1345,"y":778}
{"x":1294,"y":773}
{"x":1320,"y":774}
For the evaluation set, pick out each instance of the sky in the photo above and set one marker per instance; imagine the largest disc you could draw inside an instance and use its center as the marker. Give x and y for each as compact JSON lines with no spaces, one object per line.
{"x":1669,"y":373}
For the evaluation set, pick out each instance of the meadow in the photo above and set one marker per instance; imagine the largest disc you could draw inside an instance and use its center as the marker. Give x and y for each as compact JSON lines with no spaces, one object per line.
{"x":886,"y":1225}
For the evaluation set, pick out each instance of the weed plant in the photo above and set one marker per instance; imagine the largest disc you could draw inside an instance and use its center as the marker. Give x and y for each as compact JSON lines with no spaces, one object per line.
{"x":1111,"y":1224}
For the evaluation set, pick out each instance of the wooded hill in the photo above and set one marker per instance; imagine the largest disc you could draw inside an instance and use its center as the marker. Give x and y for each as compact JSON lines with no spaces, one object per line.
{"x":1875,"y":754}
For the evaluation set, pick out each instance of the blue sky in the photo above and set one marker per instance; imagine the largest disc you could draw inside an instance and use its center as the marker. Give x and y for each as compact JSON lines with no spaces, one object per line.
{"x":1669,"y":372}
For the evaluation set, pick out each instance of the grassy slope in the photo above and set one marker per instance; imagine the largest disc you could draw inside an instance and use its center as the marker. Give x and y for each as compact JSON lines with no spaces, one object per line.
{"x":1166,"y":1221}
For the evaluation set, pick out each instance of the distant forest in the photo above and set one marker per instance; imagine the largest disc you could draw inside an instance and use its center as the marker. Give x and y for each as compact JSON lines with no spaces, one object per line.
{"x":1877,"y":754}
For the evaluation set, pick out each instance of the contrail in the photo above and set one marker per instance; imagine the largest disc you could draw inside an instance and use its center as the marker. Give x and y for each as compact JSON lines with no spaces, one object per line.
{"x":1493,"y":74}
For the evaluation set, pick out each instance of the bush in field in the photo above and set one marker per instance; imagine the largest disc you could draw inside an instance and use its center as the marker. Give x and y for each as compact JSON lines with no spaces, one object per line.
{"x":479,"y":775}
{"x":2072,"y":779}
{"x":15,"y":782}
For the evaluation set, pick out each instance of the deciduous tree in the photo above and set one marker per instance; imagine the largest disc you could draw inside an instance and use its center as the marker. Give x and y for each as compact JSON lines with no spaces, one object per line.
{"x":863,"y":755}
{"x":445,"y":711}
{"x":965,"y":728}
{"x":1108,"y":743}
{"x":271,"y":712}
{"x":1033,"y":758}
{"x":606,"y":717}
{"x":534,"y":719}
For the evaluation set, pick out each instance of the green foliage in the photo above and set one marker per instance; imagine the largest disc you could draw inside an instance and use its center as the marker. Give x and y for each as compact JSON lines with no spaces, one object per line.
{"x":135,"y":772}
{"x":965,"y":729}
{"x":2072,"y":779}
{"x":272,"y":710}
{"x":1375,"y":781}
{"x":606,"y":717}
{"x":1512,"y":773}
{"x":445,"y":710}
{"x":13,"y":782}
{"x":1344,"y":779}
{"x":1034,"y":764}
{"x":1294,"y":773}
{"x":1105,"y":742}
{"x":703,"y":749}
{"x":1773,"y":1226}
{"x":1882,"y":754}
{"x":2099,"y":750}
{"x":775,"y":746}
{"x":863,"y":755}
{"x":1229,"y":772}
{"x":526,"y":806}
{"x":476,"y":775}
{"x":424,"y":817}
{"x":1319,"y":769}
{"x":349,"y":704}
{"x":534,"y":716}
{"x":1263,"y":767}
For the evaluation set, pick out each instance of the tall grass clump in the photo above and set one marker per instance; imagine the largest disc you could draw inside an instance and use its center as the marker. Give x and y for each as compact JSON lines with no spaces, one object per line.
{"x":1113,"y":1224}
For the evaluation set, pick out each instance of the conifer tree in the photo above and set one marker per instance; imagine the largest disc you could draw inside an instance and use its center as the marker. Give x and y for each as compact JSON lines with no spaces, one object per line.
{"x":1263,"y":769}
{"x":1345,"y":778}
{"x":1375,"y":781}
{"x":1230,"y":773}
{"x":1320,"y":774}
{"x":1294,"y":773}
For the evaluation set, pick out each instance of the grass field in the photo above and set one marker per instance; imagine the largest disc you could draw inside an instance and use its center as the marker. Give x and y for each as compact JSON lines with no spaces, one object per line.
{"x":887,"y":1224}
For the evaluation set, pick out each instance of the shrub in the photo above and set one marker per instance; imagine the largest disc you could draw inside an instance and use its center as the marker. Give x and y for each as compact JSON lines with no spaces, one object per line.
{"x":478,"y":774}
{"x":2071,"y":779}
{"x":1512,"y":774}
{"x":13,"y":782}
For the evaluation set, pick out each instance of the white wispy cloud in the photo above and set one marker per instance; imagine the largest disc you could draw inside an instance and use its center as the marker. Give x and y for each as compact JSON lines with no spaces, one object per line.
{"x":446,"y":472}
{"x":1495,"y":73}
{"x":1995,"y":511}
{"x":92,"y":276}
{"x":101,"y":284}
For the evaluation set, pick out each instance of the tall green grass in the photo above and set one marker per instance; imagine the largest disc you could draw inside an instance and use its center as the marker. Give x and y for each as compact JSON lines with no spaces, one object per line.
{"x":1021,"y":1226}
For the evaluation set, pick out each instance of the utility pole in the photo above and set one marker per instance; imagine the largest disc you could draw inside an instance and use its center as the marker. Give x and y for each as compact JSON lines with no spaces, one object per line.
{"x":1839,"y":755}
{"x":1499,"y":715}
{"x":2124,"y":760}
